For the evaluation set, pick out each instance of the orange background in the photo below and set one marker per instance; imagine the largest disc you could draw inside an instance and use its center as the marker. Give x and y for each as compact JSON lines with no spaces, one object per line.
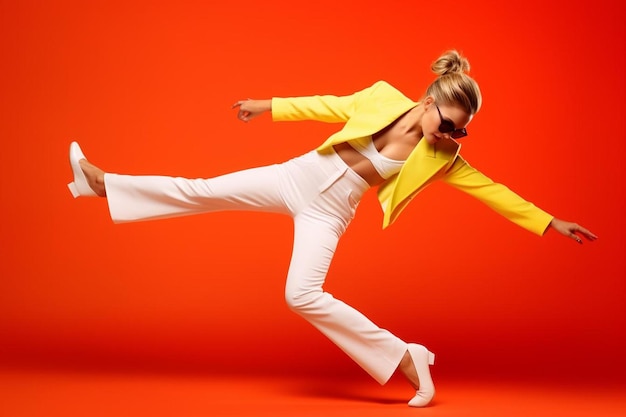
{"x":146,"y":88}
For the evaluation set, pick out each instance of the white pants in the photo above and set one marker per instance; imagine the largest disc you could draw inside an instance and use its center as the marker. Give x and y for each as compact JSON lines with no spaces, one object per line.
{"x":321,"y":193}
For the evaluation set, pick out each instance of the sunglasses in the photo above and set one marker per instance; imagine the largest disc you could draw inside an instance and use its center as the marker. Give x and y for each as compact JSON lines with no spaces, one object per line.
{"x":447,"y":126}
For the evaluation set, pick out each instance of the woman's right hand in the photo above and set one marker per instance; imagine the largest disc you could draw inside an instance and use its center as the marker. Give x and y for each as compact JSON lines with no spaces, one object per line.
{"x":249,"y":109}
{"x":570,"y":230}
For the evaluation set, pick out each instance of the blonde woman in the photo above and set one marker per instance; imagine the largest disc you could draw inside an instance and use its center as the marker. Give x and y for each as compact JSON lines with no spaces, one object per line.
{"x":387,"y":141}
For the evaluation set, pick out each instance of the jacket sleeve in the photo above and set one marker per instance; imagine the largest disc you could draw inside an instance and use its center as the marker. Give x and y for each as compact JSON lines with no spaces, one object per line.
{"x":326,"y":108}
{"x":498,"y":197}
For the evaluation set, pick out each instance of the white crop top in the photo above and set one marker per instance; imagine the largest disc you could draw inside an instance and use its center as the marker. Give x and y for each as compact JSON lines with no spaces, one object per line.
{"x":386,"y":167}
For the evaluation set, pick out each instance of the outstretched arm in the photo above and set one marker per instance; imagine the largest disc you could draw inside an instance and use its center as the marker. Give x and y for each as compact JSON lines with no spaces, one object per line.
{"x":321,"y":108}
{"x":509,"y":204}
{"x":498,"y":197}
{"x":331,"y":109}
{"x":570,"y":230}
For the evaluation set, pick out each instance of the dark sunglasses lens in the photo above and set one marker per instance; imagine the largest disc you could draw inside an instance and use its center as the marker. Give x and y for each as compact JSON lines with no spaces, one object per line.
{"x":458,"y":134}
{"x":446,"y":127}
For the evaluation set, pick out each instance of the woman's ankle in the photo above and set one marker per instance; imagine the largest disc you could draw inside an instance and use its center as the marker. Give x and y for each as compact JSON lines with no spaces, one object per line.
{"x":94,"y":177}
{"x":407,"y":367}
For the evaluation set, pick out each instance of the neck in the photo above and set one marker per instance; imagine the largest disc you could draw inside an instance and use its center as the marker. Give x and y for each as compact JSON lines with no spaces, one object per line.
{"x":415,"y":119}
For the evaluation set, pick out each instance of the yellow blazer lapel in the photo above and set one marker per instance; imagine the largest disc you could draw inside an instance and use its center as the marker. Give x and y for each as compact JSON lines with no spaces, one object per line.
{"x":419,"y":170}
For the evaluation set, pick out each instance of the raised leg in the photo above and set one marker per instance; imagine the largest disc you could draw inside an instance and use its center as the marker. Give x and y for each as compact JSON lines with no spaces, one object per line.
{"x":135,"y":198}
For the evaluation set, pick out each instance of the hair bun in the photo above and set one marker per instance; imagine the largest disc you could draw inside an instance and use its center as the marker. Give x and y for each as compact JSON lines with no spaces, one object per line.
{"x":450,"y":62}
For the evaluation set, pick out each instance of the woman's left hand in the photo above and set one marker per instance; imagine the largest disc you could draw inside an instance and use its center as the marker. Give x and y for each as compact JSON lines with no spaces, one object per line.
{"x":572,"y":230}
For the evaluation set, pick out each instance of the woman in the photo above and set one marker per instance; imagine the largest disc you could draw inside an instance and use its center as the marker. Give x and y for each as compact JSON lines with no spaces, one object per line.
{"x":387,"y":141}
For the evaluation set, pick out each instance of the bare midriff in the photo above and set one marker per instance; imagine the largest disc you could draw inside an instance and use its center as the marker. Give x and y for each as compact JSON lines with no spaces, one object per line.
{"x":396,"y":141}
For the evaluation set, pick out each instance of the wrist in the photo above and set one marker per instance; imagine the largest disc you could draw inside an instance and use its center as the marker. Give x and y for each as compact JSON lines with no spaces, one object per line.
{"x":266,"y":105}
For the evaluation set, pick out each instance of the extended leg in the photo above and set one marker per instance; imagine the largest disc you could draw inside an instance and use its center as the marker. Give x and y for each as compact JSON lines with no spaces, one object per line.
{"x":134,"y":198}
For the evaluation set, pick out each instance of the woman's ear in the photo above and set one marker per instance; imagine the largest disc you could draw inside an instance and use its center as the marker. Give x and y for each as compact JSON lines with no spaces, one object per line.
{"x":428,"y":100}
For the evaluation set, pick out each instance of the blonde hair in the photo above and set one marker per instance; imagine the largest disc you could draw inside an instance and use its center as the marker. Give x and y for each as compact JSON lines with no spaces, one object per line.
{"x":453,"y":86}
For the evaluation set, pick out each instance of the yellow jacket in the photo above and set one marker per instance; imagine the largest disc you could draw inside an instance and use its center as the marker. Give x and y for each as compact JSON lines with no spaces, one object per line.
{"x":370,"y":110}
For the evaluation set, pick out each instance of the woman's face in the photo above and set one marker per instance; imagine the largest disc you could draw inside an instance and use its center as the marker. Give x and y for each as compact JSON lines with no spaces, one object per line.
{"x":435,"y":115}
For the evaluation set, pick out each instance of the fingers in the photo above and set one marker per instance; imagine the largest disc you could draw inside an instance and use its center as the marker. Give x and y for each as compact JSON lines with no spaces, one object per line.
{"x":242,"y":114}
{"x":571,"y":233}
{"x":586,"y":233}
{"x":238,"y":104}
